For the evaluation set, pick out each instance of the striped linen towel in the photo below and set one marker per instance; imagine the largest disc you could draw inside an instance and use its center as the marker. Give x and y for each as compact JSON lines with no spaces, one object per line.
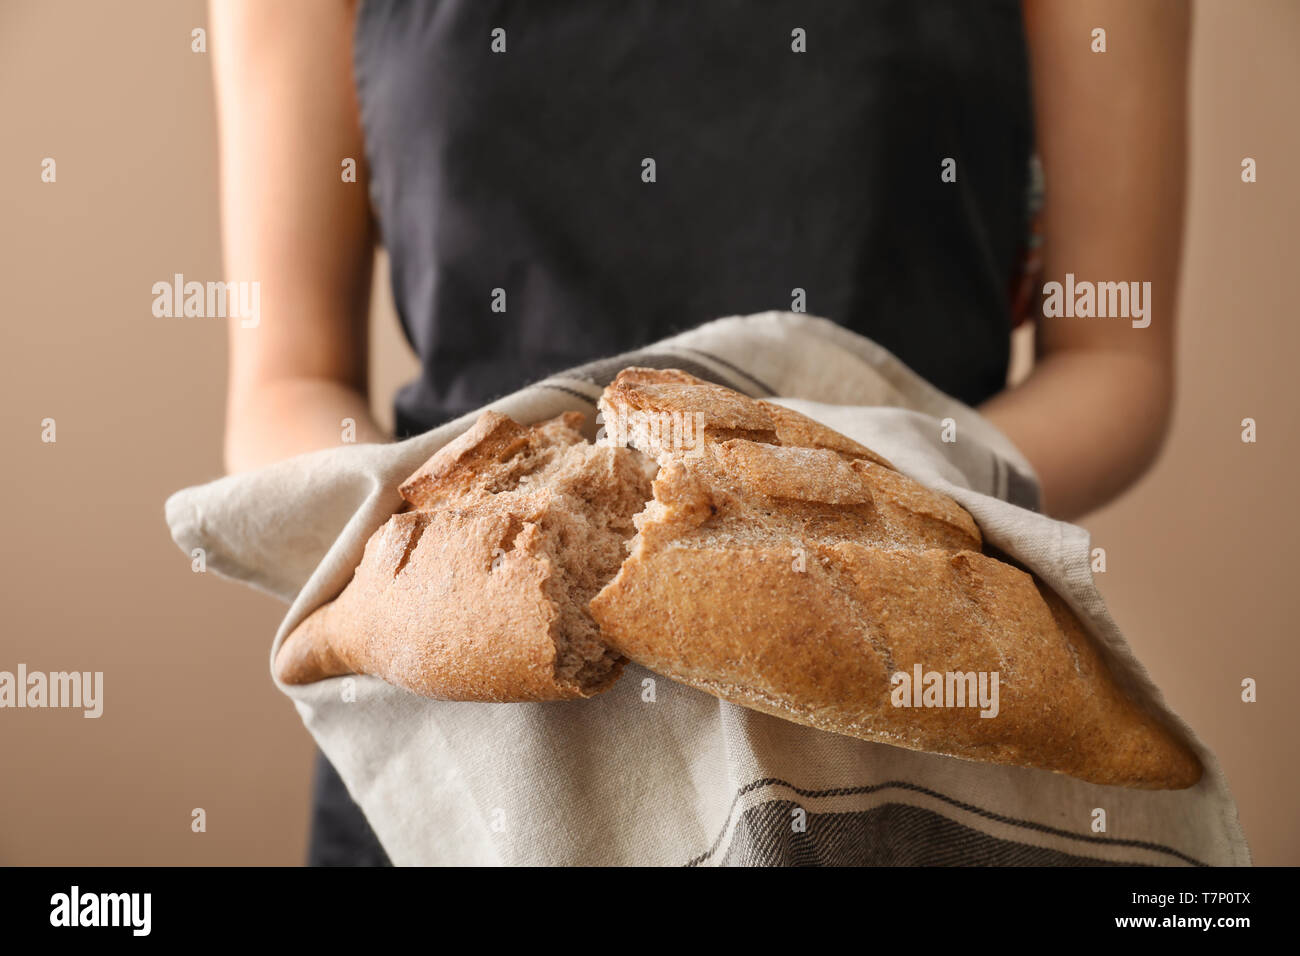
{"x":687,"y":779}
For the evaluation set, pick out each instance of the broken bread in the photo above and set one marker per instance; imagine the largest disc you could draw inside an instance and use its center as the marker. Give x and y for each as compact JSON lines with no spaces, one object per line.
{"x":480,"y":592}
{"x":780,"y":568}
{"x":755,"y":579}
{"x":742,"y":549}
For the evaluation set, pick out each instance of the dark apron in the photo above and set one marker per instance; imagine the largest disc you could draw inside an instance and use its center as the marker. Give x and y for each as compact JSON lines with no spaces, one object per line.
{"x":518,"y":179}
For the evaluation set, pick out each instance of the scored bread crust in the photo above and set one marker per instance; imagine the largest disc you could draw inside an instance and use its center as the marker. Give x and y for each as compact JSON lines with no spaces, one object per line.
{"x":791,"y":581}
{"x":641,"y":397}
{"x":480,"y":593}
{"x":487,"y":458}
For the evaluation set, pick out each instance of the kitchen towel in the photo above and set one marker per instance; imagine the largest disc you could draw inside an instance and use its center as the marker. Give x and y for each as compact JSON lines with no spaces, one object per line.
{"x":653,"y":772}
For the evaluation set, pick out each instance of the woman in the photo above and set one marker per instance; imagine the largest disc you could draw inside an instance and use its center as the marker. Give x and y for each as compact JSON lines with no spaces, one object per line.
{"x":556,"y":183}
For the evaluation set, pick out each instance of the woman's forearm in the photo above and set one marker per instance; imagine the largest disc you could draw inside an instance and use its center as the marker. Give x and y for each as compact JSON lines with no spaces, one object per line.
{"x":1089,"y":421}
{"x":1093,"y":415}
{"x":293,"y":223}
{"x":284,"y":418}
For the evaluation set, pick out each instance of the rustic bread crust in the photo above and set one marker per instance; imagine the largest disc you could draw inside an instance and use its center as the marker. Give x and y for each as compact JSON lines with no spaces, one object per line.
{"x":485,"y":458}
{"x":795,"y":582}
{"x":638,"y":394}
{"x":480,"y":594}
{"x":819,"y":646}
{"x":445,"y":625}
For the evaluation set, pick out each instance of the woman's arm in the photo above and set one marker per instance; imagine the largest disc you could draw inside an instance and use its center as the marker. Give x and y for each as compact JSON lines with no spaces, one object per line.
{"x":1093,"y":415}
{"x":288,"y":117}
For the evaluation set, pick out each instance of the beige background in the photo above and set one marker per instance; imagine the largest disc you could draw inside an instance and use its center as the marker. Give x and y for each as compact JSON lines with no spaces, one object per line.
{"x":1200,"y":553}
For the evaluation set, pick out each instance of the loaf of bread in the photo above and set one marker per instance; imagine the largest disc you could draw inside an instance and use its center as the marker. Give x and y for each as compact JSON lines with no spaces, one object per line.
{"x":742,"y":549}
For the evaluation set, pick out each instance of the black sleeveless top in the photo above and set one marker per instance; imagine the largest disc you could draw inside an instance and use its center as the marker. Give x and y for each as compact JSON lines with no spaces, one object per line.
{"x":524,"y":169}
